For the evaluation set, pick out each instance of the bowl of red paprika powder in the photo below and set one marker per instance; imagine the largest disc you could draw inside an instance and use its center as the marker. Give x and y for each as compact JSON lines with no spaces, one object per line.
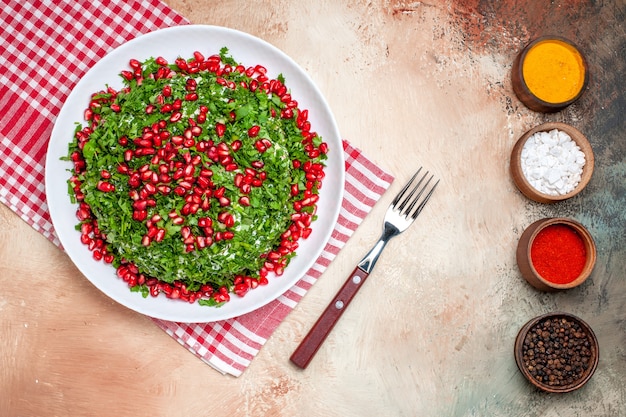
{"x":556,"y":254}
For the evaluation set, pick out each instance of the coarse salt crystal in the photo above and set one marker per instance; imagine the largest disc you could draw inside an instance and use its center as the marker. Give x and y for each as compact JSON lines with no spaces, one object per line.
{"x":552,"y":162}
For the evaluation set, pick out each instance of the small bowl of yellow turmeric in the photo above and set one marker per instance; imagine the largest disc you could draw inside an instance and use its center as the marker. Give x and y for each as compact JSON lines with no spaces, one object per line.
{"x":549,"y":74}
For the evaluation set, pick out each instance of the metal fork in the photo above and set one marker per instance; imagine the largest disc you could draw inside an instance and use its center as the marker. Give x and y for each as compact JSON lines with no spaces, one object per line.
{"x":404,"y":209}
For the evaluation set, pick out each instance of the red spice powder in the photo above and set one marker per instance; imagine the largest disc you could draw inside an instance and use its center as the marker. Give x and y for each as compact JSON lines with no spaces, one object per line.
{"x":558,"y":254}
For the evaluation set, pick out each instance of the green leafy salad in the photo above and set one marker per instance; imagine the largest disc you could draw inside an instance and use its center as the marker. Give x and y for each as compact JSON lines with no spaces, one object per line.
{"x":197,"y":178}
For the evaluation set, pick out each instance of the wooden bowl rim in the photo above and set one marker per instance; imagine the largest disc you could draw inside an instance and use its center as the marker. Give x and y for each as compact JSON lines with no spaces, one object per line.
{"x":587,"y":238}
{"x":519,"y":348}
{"x":516,"y":164}
{"x":552,"y":107}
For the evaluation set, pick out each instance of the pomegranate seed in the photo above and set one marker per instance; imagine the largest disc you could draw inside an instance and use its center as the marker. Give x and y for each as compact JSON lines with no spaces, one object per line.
{"x":105,"y":187}
{"x":140,"y":205}
{"x":123,"y":168}
{"x":238,"y":180}
{"x":226,"y":218}
{"x":188,"y":142}
{"x":198,"y":56}
{"x":164,"y":189}
{"x":140,"y":215}
{"x":236,"y":145}
{"x":201,"y":242}
{"x":178,"y":140}
{"x":176,"y":117}
{"x":205,"y":222}
{"x":254,"y":131}
{"x":85,"y":239}
{"x":260,"y":146}
{"x":160,"y":235}
{"x":134,"y":180}
{"x":220,"y":129}
{"x":241,"y":289}
{"x":254,"y":85}
{"x":181,"y":64}
{"x":185,"y":185}
{"x":167,"y":92}
{"x":203,"y":182}
{"x":134,"y":64}
{"x":196,"y":131}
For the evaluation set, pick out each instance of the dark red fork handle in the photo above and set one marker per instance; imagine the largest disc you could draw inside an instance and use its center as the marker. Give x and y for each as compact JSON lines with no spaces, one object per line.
{"x":325,"y":323}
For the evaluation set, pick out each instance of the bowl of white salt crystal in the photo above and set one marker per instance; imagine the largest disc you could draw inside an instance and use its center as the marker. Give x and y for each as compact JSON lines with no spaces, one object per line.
{"x":552,"y":162}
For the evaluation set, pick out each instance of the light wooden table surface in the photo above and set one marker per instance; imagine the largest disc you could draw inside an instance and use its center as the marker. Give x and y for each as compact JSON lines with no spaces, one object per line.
{"x":431,"y":333}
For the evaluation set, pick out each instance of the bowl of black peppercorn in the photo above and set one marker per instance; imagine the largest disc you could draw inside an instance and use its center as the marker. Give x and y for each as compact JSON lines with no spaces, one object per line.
{"x":557,"y":352}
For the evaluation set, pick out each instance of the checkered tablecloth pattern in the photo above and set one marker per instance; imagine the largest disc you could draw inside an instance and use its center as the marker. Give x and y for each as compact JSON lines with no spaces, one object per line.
{"x":47,"y":46}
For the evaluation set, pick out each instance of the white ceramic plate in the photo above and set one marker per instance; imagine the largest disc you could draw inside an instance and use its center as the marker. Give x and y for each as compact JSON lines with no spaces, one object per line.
{"x":171,"y":43}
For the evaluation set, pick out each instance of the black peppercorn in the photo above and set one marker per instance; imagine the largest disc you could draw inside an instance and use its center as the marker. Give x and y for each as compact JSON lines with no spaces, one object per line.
{"x":556,"y":352}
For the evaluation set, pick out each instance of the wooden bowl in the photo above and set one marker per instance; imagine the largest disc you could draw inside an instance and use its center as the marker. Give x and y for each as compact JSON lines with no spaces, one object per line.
{"x":525,"y":360}
{"x":516,"y":163}
{"x":524,"y":260}
{"x":521,"y":87}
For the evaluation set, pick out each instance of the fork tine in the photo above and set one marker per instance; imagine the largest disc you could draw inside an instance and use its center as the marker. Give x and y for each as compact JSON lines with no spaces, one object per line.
{"x":405,"y":188}
{"x":424,"y":201}
{"x":411,"y":198}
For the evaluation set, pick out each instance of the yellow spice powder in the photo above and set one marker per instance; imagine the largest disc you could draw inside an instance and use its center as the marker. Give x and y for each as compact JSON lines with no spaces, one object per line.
{"x":553,"y":71}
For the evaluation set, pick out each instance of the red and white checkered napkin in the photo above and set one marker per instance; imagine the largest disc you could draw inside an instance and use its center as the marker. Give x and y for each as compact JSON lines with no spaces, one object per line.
{"x":46,"y":48}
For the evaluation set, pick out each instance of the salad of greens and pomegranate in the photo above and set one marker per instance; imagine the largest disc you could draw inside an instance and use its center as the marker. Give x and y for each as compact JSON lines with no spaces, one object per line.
{"x":197,"y":178}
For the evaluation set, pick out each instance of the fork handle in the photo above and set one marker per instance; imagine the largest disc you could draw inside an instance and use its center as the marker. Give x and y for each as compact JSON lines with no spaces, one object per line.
{"x":324,"y":324}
